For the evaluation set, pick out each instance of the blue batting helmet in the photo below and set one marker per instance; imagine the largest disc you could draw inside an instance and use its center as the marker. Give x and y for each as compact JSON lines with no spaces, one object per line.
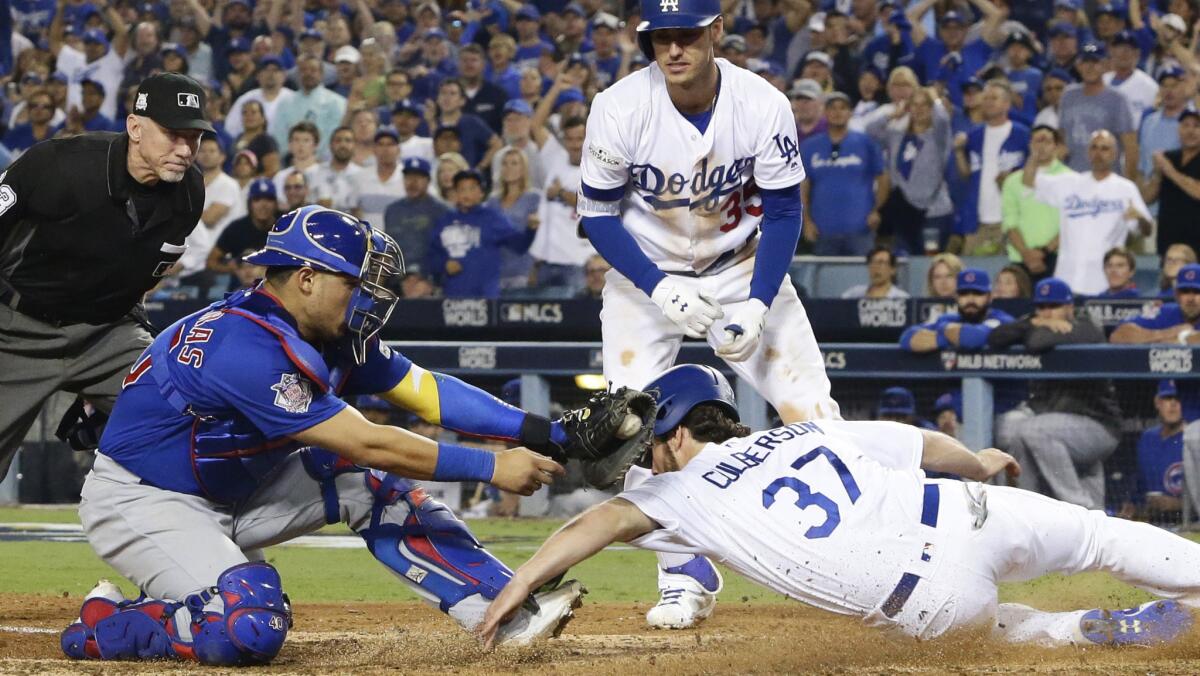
{"x":331,"y":241}
{"x":680,"y":389}
{"x":658,"y":14}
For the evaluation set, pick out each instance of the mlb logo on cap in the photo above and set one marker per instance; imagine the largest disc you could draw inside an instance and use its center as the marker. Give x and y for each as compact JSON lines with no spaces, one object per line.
{"x":187,"y":100}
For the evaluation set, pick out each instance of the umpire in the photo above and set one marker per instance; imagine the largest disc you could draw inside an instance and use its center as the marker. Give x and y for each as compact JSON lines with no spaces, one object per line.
{"x":88,"y":225}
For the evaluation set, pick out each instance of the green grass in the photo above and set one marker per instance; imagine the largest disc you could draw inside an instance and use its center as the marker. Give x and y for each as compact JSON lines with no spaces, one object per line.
{"x":351,"y":575}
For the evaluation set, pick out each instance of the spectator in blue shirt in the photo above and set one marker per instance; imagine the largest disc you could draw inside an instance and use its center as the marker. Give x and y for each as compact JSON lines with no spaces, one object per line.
{"x":90,"y":118}
{"x":1172,"y":323}
{"x":464,"y":250}
{"x":967,"y":329}
{"x":1025,"y":79}
{"x":947,"y":412}
{"x":1160,"y":457}
{"x":949,"y":56}
{"x":847,"y":183}
{"x":41,"y":110}
{"x":501,"y":70}
{"x":897,"y":404}
{"x":605,"y":58}
{"x":530,"y":43}
{"x":479,"y":142}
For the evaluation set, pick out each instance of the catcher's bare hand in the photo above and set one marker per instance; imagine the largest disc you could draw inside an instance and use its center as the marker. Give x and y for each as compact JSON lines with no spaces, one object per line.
{"x":520,"y":470}
{"x":502,"y":608}
{"x":995,"y":461}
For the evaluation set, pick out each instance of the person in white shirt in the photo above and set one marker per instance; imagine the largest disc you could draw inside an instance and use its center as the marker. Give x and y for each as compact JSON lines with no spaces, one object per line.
{"x":841,"y":516}
{"x":336,"y":184}
{"x":557,"y":248}
{"x":98,"y":60}
{"x":1098,"y":210}
{"x":1053,"y":85}
{"x":221,"y":197}
{"x":1138,"y":88}
{"x":270,"y":93}
{"x":406,"y":117}
{"x":382,"y":184}
{"x":303,"y":139}
{"x":881,"y":275}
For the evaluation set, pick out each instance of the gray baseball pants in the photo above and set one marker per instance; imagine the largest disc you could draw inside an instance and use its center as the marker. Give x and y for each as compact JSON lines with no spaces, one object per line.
{"x":1063,"y":452}
{"x":38,"y":359}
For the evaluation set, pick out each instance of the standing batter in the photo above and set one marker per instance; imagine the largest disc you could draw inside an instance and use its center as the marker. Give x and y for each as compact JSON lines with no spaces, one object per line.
{"x":691,"y":190}
{"x":199,"y":466}
{"x":839,"y":515}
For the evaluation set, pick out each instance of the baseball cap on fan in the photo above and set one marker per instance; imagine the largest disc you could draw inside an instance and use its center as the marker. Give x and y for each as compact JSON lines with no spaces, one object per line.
{"x":173,"y":100}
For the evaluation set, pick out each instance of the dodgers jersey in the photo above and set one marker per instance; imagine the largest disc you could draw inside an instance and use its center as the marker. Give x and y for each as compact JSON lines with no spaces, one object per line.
{"x":828,"y":513}
{"x":687,"y":197}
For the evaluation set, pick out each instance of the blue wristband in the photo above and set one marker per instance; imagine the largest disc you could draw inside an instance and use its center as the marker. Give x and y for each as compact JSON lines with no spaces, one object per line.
{"x":459,"y":463}
{"x":943,"y":342}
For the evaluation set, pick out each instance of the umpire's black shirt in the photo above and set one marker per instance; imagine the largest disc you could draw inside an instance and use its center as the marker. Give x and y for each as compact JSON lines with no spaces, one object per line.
{"x":81,"y":241}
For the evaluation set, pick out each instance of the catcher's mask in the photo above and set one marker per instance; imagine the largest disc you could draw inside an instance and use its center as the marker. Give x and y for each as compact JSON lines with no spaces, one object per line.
{"x":678,"y":390}
{"x":332,"y":241}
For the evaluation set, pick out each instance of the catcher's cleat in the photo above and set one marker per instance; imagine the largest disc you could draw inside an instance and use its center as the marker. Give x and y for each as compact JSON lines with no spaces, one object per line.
{"x":688,"y":595}
{"x":1149,"y":624}
{"x":554,"y":610}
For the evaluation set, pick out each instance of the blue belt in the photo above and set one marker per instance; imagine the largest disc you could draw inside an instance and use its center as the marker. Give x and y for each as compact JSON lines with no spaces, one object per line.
{"x":908,"y":581}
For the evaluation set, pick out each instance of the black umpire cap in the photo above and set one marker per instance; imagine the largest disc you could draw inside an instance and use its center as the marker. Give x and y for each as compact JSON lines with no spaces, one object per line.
{"x":173,"y":100}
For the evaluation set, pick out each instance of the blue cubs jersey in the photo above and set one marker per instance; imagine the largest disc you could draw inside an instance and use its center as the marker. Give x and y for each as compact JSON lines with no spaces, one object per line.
{"x":1162,"y":317}
{"x":1160,"y":462}
{"x":208,"y":408}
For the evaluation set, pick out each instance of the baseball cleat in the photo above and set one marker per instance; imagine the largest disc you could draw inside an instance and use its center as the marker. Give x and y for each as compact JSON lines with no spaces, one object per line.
{"x":687,"y":595}
{"x":1149,"y":624}
{"x":554,"y":610}
{"x":106,"y":590}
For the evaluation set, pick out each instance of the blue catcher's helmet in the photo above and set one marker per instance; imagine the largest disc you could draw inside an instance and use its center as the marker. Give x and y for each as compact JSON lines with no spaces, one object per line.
{"x":331,"y":241}
{"x":658,"y":14}
{"x":680,"y":389}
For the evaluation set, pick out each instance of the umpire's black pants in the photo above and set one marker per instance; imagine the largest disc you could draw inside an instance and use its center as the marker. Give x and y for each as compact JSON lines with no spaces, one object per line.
{"x":38,"y":359}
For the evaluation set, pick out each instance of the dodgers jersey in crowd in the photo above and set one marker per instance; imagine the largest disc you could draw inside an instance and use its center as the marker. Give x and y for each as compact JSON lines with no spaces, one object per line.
{"x":828,"y":512}
{"x":689,"y":196}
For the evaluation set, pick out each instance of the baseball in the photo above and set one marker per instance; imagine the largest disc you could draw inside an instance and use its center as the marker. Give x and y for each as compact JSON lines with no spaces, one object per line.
{"x":629,"y":426}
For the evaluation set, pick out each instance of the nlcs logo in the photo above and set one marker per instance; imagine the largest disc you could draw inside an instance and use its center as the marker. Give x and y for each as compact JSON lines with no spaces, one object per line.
{"x":668,"y":6}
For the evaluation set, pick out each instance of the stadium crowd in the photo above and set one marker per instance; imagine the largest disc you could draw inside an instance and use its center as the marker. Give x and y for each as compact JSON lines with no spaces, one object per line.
{"x":1062,"y":135}
{"x":978,"y":127}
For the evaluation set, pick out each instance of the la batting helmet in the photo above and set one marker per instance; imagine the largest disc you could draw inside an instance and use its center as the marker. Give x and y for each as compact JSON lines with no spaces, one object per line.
{"x":659,"y":14}
{"x":332,"y":241}
{"x":680,"y":389}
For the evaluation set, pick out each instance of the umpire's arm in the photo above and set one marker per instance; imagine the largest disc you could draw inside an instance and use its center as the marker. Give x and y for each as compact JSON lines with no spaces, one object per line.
{"x":616,"y":520}
{"x":17,"y":185}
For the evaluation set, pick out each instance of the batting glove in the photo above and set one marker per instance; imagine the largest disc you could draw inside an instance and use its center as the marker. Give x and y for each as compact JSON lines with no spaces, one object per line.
{"x":743,"y":331}
{"x":693,"y":310}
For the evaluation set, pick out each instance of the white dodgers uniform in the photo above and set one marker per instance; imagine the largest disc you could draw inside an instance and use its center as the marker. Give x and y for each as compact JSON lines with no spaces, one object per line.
{"x":691,"y":202}
{"x":839,"y":515}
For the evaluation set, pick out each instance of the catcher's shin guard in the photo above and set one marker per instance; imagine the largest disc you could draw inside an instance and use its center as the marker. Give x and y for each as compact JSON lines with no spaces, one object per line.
{"x":246,"y":619}
{"x":431,"y":550}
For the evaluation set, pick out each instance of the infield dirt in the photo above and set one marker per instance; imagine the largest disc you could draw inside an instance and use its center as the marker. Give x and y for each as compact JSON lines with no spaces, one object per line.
{"x":603,"y":639}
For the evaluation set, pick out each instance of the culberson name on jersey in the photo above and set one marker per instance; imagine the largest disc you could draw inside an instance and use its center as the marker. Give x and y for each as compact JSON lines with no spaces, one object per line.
{"x":728,"y":471}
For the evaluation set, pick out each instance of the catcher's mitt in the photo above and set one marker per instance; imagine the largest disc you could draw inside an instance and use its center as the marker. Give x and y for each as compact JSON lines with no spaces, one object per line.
{"x":594,"y":434}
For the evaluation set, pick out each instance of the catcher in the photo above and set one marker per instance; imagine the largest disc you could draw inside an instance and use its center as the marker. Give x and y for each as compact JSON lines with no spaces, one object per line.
{"x":229,"y":436}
